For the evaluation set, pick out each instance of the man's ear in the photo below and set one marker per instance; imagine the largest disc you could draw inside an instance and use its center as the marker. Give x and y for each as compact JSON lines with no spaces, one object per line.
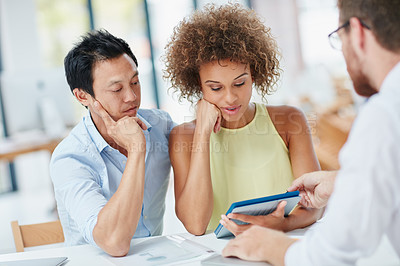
{"x":357,"y":36}
{"x":82,"y":96}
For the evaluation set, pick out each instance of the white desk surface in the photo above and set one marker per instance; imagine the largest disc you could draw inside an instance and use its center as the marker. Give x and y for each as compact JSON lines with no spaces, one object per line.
{"x":89,"y":255}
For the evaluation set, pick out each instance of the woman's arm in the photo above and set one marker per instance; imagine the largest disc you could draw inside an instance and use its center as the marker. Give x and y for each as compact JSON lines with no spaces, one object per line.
{"x":292,"y":126}
{"x":189,"y":149}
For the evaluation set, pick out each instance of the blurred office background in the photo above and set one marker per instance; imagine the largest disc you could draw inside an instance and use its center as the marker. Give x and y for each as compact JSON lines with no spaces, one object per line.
{"x":35,"y":100}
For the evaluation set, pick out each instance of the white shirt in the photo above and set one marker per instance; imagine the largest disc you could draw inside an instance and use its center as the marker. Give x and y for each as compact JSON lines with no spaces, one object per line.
{"x":365,"y":204}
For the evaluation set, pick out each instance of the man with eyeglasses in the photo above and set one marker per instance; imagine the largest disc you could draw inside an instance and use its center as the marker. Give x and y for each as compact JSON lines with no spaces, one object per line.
{"x":364,"y":198}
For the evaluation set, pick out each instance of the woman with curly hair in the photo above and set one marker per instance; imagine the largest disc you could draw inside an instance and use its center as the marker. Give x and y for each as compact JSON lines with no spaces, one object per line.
{"x":235,"y":149}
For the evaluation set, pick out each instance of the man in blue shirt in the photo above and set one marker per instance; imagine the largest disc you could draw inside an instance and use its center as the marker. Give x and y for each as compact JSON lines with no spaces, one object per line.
{"x":111,"y":173}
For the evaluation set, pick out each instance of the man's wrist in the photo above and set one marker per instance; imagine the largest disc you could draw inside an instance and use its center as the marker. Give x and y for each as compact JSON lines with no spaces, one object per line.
{"x":279,"y":259}
{"x":136,"y":148}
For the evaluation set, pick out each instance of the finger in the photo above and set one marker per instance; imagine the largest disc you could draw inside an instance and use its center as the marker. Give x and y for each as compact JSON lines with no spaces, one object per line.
{"x":297,"y":184}
{"x":230,"y":225}
{"x":292,"y":188}
{"x":199,"y":103}
{"x":140,"y":123}
{"x":280,"y":209}
{"x":217,"y":126}
{"x":204,"y":100}
{"x":242,"y":217}
{"x":234,"y":228}
{"x":100,"y":111}
{"x":231,"y":249}
{"x":241,"y":228}
{"x":226,"y":222}
{"x":305,"y":201}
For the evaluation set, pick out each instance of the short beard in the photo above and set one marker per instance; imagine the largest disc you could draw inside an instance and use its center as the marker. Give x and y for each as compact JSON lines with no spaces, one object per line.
{"x":362,"y":85}
{"x":364,"y":89}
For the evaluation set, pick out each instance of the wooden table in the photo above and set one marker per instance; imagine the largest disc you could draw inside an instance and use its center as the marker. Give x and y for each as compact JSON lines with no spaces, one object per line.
{"x":13,"y":147}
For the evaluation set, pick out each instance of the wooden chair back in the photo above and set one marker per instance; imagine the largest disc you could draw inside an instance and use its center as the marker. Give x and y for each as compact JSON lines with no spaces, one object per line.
{"x":32,"y":235}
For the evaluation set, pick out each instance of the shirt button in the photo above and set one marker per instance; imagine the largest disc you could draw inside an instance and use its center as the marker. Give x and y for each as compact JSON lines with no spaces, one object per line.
{"x":124,"y":162}
{"x":145,"y":217}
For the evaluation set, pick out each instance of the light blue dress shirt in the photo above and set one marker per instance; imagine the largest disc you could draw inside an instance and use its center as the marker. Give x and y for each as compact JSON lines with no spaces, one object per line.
{"x":86,"y":172}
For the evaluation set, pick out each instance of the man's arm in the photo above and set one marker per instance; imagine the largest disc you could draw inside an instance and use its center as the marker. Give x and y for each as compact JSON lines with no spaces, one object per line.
{"x":118,"y":219}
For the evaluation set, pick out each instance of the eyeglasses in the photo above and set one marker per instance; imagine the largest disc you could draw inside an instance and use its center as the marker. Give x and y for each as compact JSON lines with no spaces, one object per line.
{"x":334,"y":39}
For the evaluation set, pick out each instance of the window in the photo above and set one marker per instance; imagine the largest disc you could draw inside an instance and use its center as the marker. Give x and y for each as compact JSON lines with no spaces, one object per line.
{"x":59,"y":24}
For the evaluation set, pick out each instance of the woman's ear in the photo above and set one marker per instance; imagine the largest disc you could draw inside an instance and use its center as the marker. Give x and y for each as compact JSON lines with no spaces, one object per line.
{"x":82,"y":96}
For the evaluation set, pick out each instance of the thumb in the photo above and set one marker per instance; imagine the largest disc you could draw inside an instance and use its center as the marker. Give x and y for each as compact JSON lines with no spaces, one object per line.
{"x":297,"y":184}
{"x":280,"y":209}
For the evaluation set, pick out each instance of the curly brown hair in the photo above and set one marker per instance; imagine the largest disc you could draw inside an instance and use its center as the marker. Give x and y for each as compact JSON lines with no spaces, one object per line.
{"x":217,"y":33}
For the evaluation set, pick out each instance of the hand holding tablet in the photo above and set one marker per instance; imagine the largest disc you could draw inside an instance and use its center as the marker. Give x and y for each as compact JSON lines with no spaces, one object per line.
{"x":259,"y":206}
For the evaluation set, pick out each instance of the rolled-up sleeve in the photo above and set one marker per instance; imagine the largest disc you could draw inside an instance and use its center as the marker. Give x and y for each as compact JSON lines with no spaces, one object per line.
{"x":78,"y":191}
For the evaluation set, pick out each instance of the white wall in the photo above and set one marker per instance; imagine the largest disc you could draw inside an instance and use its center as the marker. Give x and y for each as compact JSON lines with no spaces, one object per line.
{"x":25,"y":83}
{"x":19,"y":35}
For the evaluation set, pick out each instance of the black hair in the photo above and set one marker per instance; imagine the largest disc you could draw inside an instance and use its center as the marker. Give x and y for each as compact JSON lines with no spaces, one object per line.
{"x":94,"y":46}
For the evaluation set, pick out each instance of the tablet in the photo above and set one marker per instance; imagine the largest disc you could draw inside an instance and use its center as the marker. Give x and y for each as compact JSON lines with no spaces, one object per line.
{"x":259,"y":206}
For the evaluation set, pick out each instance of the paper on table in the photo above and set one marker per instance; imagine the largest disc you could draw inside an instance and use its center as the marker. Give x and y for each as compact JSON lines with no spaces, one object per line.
{"x":164,"y":250}
{"x":36,"y":262}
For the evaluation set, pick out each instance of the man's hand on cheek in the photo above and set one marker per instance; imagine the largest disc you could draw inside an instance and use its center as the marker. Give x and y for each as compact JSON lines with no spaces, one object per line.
{"x":127,"y":132}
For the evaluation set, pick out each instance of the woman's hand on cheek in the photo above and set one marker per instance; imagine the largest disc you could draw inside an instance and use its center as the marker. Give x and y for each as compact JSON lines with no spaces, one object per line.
{"x":217,"y":126}
{"x":208,"y":117}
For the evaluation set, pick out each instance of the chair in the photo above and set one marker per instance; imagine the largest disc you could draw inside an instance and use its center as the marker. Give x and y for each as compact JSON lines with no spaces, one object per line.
{"x":36,"y":234}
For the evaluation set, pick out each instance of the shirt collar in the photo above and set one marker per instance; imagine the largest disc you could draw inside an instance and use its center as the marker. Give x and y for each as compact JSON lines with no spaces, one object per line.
{"x":95,"y":135}
{"x":391,"y":78}
{"x":149,"y":126}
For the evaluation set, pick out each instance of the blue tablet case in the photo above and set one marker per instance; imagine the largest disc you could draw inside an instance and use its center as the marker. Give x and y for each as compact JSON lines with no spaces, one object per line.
{"x":259,"y":206}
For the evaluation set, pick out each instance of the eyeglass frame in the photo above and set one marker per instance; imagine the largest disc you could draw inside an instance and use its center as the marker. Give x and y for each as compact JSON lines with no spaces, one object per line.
{"x":344,"y":25}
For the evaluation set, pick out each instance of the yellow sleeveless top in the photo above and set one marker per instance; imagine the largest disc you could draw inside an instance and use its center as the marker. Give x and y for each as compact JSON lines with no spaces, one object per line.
{"x":248,"y":162}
